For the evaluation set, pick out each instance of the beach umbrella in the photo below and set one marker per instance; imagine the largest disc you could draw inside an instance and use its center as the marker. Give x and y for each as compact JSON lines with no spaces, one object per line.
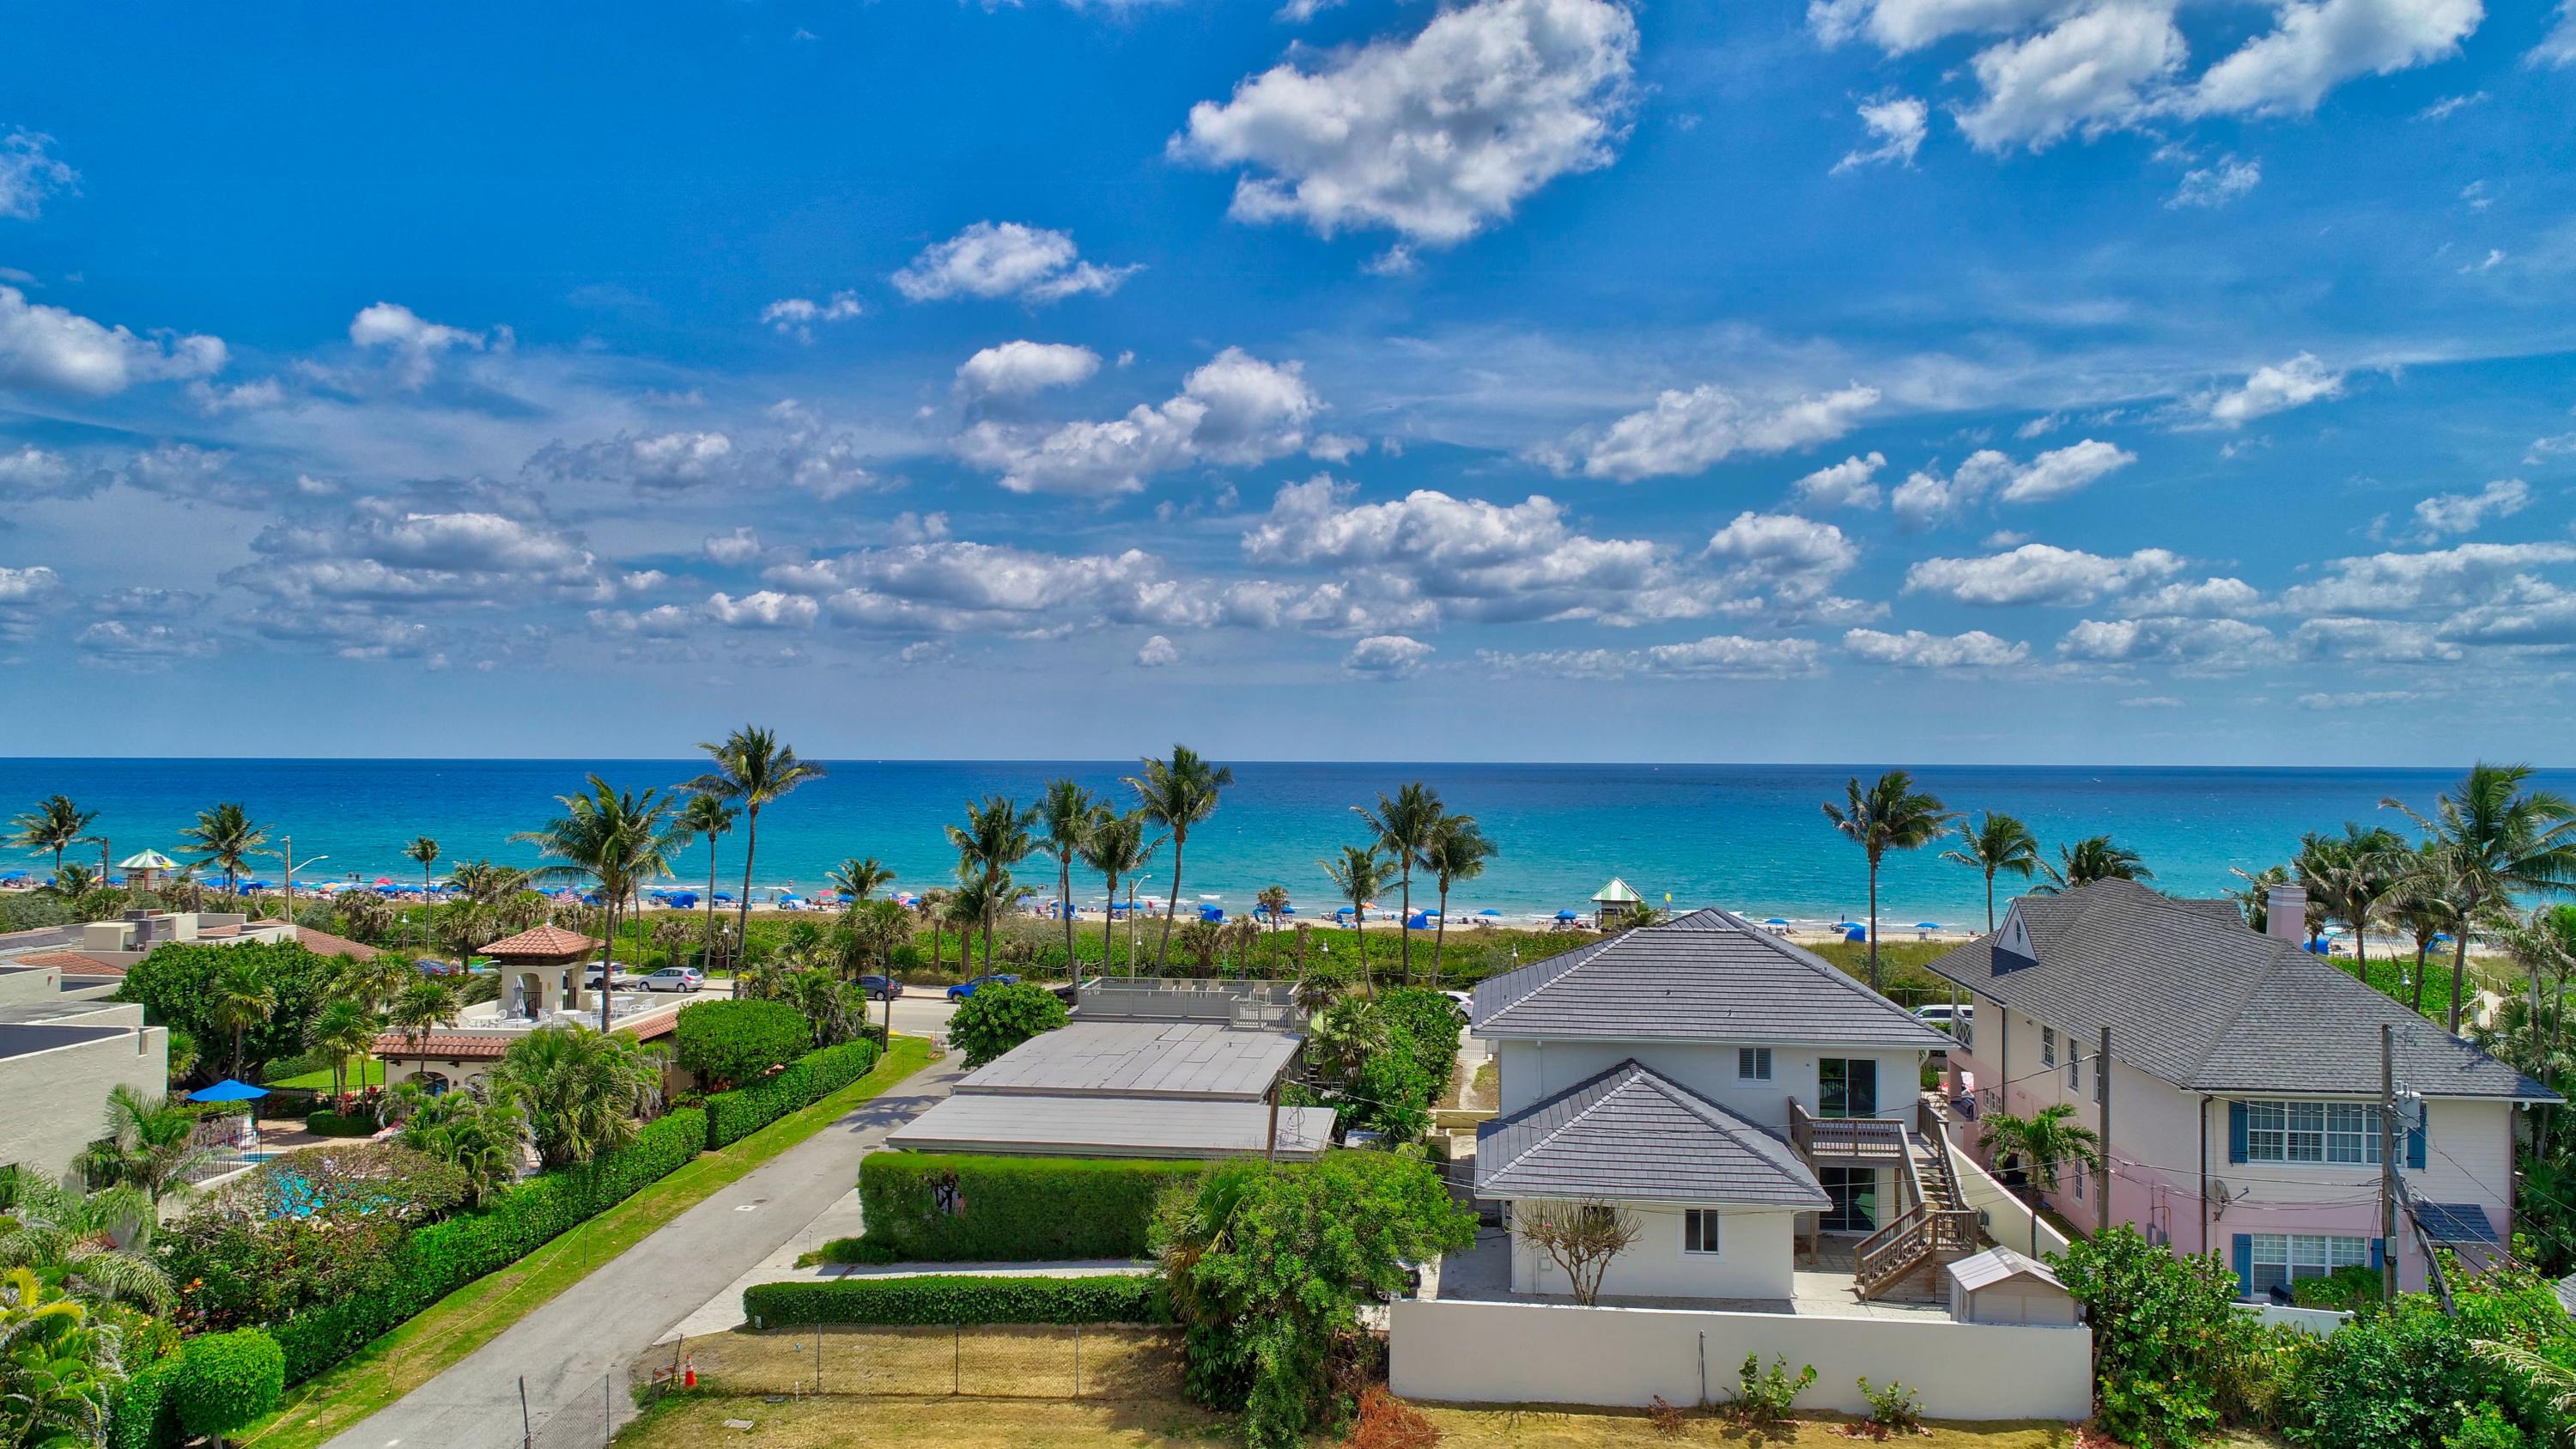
{"x":2441,"y":938}
{"x":2318,"y":948}
{"x":1927,"y":925}
{"x":1418,"y":921}
{"x":1857,"y":934}
{"x":229,"y":1090}
{"x":1342,"y":911}
{"x":1777,"y":921}
{"x":1568,"y":916}
{"x":1211,"y":913}
{"x":13,"y":875}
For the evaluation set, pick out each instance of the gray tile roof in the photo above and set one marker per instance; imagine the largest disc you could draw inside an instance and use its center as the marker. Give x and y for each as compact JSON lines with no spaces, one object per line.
{"x":2194,"y":996}
{"x":1629,"y":1135}
{"x":1706,"y":976}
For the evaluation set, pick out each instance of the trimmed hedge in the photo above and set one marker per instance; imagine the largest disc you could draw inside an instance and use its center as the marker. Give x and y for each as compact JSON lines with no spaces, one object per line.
{"x":960,"y":1298}
{"x":1012,"y":1209}
{"x":337,"y":1124}
{"x":730,"y":1043}
{"x":445,"y":1256}
{"x":226,"y":1381}
{"x":734,"y":1115}
{"x":140,"y":1415}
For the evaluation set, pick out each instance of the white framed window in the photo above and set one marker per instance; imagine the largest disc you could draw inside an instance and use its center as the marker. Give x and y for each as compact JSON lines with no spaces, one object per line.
{"x":2074,"y":1069}
{"x":2305,"y":1132}
{"x":2281,"y":1259}
{"x":2101,"y":1071}
{"x":1753,"y":1064}
{"x":1699,"y":1230}
{"x":2048,"y":1046}
{"x":2079,"y":1181}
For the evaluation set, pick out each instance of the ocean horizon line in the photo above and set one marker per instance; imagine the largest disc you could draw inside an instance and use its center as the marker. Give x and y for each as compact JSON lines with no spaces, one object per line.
{"x":1418,"y":762}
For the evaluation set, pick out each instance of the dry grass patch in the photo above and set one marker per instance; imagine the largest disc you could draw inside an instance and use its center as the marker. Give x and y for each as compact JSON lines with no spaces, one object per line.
{"x":1033,"y":1361}
{"x":697,"y":1421}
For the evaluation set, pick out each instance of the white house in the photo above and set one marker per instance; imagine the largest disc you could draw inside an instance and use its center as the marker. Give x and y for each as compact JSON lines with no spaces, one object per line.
{"x":1733,"y":1091}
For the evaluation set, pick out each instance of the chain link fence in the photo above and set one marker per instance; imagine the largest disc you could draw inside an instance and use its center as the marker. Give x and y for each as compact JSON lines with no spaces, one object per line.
{"x":1033,"y":1361}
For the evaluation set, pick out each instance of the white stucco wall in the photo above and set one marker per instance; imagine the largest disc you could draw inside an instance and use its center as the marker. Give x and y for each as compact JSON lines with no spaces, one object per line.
{"x":1755,"y":1259}
{"x":1533,"y":1071}
{"x":1447,"y":1351}
{"x":57,"y":1099}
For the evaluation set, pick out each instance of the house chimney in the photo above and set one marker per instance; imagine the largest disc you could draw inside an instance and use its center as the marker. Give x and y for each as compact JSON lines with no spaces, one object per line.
{"x":2285,"y":913}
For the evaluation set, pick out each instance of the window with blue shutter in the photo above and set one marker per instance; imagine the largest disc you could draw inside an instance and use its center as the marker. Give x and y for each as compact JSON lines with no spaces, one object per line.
{"x":2378,"y":1254}
{"x":2236,"y":1134}
{"x":2244,"y":1265}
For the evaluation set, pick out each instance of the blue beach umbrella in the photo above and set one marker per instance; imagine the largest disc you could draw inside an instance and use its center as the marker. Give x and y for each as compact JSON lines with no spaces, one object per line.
{"x":1489,"y":911}
{"x":1418,"y":921}
{"x":2318,"y":948}
{"x":1927,"y":925}
{"x":1211,"y":913}
{"x":1858,"y":935}
{"x":1567,"y":916}
{"x":229,"y":1090}
{"x":1777,"y":921}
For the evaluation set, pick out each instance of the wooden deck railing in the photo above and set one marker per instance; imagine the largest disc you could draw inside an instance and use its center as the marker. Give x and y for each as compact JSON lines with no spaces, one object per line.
{"x":1844,"y":1136}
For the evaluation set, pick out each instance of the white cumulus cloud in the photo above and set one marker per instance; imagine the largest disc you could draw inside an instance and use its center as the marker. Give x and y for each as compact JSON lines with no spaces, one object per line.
{"x":2467,"y":512}
{"x":2272,"y":388}
{"x":2039,"y":573}
{"x":1897,"y":124}
{"x":1235,"y":410}
{"x":798,"y":316}
{"x":1915,"y":649}
{"x":1387,"y":656}
{"x":1020,"y":369}
{"x":1006,"y":259}
{"x":1687,"y":432}
{"x":1927,"y":497}
{"x":1842,"y":485}
{"x":56,"y":350}
{"x":1435,"y":136}
{"x":29,"y":173}
{"x":1157,"y":652}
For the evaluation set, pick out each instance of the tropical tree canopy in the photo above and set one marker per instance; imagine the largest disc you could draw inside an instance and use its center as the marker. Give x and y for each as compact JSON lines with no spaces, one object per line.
{"x":226,"y":838}
{"x":584,"y":1091}
{"x":2094,"y":858}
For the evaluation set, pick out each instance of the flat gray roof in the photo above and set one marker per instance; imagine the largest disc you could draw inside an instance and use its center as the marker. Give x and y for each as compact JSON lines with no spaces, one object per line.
{"x":1192,"y":1061}
{"x":21,"y":1041}
{"x":1113,"y":1127}
{"x":66,"y":1010}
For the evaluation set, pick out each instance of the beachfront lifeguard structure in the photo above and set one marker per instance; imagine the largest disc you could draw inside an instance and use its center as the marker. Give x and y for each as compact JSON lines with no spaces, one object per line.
{"x":1615,"y":902}
{"x":147,"y":870}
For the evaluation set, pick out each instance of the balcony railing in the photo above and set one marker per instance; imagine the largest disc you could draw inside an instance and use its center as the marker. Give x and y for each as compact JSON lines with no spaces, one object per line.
{"x":1816,"y":1136}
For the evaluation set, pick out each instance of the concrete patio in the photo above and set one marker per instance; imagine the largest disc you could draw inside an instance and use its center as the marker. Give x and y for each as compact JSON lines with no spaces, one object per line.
{"x":1822,"y":1287}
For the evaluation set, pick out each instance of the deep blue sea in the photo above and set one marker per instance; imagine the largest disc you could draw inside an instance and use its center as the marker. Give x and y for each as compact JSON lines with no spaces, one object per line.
{"x":1748,"y":837}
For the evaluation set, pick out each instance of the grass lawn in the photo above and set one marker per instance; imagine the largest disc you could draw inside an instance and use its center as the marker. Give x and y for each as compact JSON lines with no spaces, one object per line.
{"x":688,"y":1420}
{"x":473,"y":1315}
{"x":369,"y":1068}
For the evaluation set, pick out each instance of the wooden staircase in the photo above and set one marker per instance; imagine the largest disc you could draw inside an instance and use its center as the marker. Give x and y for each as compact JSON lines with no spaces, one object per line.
{"x":1937,"y":1227}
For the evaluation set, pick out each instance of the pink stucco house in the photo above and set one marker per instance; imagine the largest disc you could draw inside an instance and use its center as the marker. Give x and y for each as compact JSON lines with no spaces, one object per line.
{"x":2244,"y":1078}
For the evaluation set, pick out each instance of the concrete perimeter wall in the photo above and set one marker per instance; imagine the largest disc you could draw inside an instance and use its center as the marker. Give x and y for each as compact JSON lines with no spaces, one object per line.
{"x":1451,"y":1351}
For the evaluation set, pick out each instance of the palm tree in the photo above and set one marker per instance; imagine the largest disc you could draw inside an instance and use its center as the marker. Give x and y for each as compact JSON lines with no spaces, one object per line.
{"x":487,"y":884}
{"x":1176,"y":794}
{"x":2351,"y":875}
{"x":423,"y":852}
{"x":94,"y":1244}
{"x":373,"y":980}
{"x":61,"y":1370}
{"x":225,"y":837}
{"x":617,"y":840}
{"x":583,"y":1090}
{"x":2498,"y":839}
{"x":55,"y":824}
{"x":1403,"y":826}
{"x":459,"y":927}
{"x":150,"y":1145}
{"x":423,"y":1007}
{"x":2422,"y":899}
{"x":1890,"y":815}
{"x":482,"y":1138}
{"x":930,"y":906}
{"x":344,"y":1029}
{"x":1456,"y":851}
{"x":1358,"y":876}
{"x":752,"y":769}
{"x":2045,"y":1142}
{"x":1273,"y":902}
{"x":243,"y":997}
{"x":963,"y":908}
{"x":2094,"y":858}
{"x":881,"y":926}
{"x":856,"y":879}
{"x":1996,"y":843}
{"x":1066,"y":813}
{"x":995,"y":837}
{"x":710,"y":816}
{"x":1115,"y":846}
{"x":2549,"y":1382}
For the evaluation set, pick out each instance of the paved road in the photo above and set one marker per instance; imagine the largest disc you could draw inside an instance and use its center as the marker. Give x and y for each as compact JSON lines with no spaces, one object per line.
{"x":569,"y":1348}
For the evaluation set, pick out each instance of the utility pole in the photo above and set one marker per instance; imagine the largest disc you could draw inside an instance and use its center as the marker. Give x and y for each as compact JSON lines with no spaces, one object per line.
{"x":2387,"y":1162}
{"x":2102,"y":1090}
{"x":1272,"y":1151}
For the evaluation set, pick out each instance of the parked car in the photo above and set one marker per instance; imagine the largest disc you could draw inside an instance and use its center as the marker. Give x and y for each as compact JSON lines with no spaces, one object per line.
{"x":964,"y":989}
{"x":676,"y":978}
{"x":1944,"y":1015}
{"x":624,"y":981}
{"x":427,"y":967}
{"x":880,"y":988}
{"x":1464,"y":1001}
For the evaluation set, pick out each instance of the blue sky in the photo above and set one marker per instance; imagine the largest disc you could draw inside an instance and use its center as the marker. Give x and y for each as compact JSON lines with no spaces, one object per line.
{"x":1936,"y":380}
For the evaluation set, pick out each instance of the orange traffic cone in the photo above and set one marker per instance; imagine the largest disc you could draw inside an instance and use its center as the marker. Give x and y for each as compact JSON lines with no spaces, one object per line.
{"x":689,"y":1372}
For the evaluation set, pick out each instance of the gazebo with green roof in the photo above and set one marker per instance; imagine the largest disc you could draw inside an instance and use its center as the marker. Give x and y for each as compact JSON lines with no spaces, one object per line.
{"x":1614,"y":900}
{"x":147,"y":870}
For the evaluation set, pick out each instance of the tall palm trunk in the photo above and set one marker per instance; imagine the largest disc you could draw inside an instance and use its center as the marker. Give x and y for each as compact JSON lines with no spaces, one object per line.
{"x":750,"y":848}
{"x":1163,"y":947}
{"x":1064,"y":889}
{"x":1404,"y":923}
{"x":1440,"y":935}
{"x":1990,"y":901}
{"x":1873,"y":920}
{"x":2459,"y":972}
{"x":608,"y":964}
{"x":1359,"y":920}
{"x":2422,"y":946}
{"x":709,"y":951}
{"x":1131,"y":928}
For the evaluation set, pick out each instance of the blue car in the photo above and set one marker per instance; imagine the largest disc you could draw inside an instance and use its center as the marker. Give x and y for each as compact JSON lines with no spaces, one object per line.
{"x":964,"y":989}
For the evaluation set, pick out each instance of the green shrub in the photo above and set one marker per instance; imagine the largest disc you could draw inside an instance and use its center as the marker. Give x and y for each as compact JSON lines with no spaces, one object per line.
{"x":141,"y":1415}
{"x":1893,"y":1409}
{"x":2164,"y":1327}
{"x":729,"y":1043}
{"x":2345,"y":1290}
{"x":437,"y":1260}
{"x":1430,"y":1021}
{"x":338,"y":1124}
{"x":734,"y":1115}
{"x":227,"y":1380}
{"x":1764,"y":1399}
{"x":176,"y":984}
{"x":998,"y":1018}
{"x":2487,"y":1428}
{"x":960,"y":1298}
{"x":1011,"y":1209}
{"x":851,"y":1250}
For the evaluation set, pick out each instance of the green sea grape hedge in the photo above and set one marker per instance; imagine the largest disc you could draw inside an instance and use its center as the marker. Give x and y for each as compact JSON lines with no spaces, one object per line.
{"x":140,"y":1416}
{"x":1012,"y":1209}
{"x":730,"y":1043}
{"x":445,"y":1256}
{"x":734,"y":1115}
{"x":960,"y":1298}
{"x":336,"y":1124}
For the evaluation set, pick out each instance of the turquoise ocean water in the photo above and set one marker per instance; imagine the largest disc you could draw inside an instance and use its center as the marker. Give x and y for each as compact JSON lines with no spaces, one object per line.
{"x":1742,"y":836}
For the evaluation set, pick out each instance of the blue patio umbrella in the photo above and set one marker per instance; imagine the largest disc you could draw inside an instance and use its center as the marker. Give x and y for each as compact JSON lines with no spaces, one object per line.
{"x":229,"y":1090}
{"x":1567,"y":916}
{"x":1343,"y":911}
